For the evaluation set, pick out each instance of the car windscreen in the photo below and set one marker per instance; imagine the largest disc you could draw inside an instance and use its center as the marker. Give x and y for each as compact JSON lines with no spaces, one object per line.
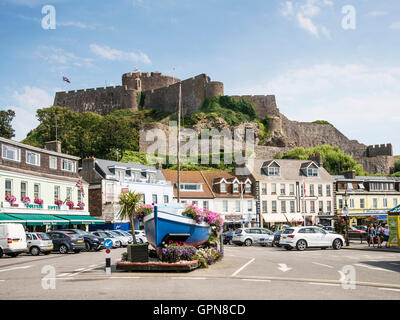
{"x":116,"y":234}
{"x":43,"y":236}
{"x":81,"y":232}
{"x":288,"y":231}
{"x":239,"y":231}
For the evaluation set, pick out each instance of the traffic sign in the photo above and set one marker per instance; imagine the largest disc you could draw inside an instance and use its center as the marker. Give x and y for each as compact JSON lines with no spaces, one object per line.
{"x":108,"y":243}
{"x":108,"y":251}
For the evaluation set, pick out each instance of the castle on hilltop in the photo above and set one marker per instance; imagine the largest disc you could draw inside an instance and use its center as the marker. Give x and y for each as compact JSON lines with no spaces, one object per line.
{"x":161,"y":92}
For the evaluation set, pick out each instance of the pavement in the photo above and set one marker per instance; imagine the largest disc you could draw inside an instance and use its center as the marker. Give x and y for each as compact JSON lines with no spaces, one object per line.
{"x":355,"y":245}
{"x":245,"y":273}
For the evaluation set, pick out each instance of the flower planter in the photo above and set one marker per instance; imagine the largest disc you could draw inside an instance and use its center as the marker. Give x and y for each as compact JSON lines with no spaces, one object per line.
{"x":138,"y":253}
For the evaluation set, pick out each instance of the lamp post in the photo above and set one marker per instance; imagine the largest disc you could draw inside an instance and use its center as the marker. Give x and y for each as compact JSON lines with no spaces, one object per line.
{"x":346,"y":212}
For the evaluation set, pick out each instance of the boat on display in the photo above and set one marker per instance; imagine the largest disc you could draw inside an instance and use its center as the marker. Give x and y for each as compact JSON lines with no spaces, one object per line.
{"x":167,"y":223}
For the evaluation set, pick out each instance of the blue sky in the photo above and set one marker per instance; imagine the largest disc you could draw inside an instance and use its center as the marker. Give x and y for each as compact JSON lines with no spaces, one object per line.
{"x":297,"y":50}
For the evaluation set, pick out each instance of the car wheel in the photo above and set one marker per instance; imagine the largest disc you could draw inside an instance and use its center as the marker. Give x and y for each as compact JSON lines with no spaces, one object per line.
{"x":301,"y":245}
{"x":337,"y":244}
{"x":88,"y":247}
{"x":63,"y":249}
{"x":34,"y":251}
{"x":288,"y":248}
{"x":248,"y":242}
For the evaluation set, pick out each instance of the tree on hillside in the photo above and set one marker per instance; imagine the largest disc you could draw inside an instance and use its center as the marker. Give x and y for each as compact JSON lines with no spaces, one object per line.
{"x":334,"y":160}
{"x":6,"y":130}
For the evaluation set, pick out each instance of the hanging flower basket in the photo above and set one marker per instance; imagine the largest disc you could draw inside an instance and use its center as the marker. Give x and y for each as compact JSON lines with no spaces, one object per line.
{"x":26,"y":200}
{"x":38,"y":201}
{"x":58,"y":203}
{"x":70,"y":204}
{"x":11,"y":199}
{"x":81,"y":205}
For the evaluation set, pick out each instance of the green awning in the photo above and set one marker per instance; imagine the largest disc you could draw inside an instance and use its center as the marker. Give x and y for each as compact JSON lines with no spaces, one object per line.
{"x":73,"y":219}
{"x":5,"y":218}
{"x":395,"y":210}
{"x":39,"y":219}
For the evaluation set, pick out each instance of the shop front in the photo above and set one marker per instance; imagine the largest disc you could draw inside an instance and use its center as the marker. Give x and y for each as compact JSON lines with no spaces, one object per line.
{"x":393,"y":220}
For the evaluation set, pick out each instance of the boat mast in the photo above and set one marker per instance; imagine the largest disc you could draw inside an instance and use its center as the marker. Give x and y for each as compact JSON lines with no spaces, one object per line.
{"x":178,"y":144}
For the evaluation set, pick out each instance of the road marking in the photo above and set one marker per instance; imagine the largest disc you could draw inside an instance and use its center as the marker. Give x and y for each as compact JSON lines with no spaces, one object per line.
{"x":80,"y":269}
{"x":283,"y":267}
{"x":324,"y":265}
{"x":256,"y":280}
{"x":389,"y":289}
{"x":16,"y":268}
{"x":188,"y":278}
{"x":83,"y":270}
{"x":94,"y":265}
{"x":324,"y":284}
{"x":371,"y":268}
{"x":63,"y":274}
{"x":241,"y":268}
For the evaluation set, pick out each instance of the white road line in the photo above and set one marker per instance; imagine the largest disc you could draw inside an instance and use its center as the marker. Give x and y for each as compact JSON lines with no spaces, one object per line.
{"x":256,"y":280}
{"x":95,"y":265}
{"x":80,"y":269}
{"x":188,"y":278}
{"x":388,"y":289}
{"x":324,"y":265}
{"x":16,"y":268}
{"x":2,"y":280}
{"x":371,"y":268}
{"x":241,"y":268}
{"x":324,"y":284}
{"x":63,"y":274}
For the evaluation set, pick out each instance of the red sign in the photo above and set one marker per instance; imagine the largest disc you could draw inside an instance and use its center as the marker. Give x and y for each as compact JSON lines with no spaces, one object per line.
{"x":108,"y":251}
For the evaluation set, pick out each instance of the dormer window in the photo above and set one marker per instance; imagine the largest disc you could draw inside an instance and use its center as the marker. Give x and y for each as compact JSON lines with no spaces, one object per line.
{"x":11,"y":153}
{"x":151,"y":178}
{"x":248,"y":188}
{"x":235,"y":188}
{"x":274,"y":171}
{"x":312,"y":172}
{"x":223,"y":187}
{"x":33,"y":158}
{"x":191,"y":187}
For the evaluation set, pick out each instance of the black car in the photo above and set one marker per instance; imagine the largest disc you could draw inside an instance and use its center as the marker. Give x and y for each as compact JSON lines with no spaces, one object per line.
{"x":92,"y":242}
{"x":277,"y":238}
{"x":64,"y":242}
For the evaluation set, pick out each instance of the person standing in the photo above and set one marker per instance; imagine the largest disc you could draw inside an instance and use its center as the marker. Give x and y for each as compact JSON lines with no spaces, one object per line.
{"x":371,"y":235}
{"x":386,"y":233}
{"x":379,"y":233}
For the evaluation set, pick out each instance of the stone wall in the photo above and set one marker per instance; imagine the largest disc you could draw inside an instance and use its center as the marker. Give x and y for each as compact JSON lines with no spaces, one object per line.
{"x":194,"y":92}
{"x":265,"y":105}
{"x":380,"y":150}
{"x":98,"y":100}
{"x":154,"y":81}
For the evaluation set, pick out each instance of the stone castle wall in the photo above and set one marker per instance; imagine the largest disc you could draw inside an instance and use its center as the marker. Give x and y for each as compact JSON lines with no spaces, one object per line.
{"x":194,"y":92}
{"x":265,"y":105}
{"x":380,"y":150}
{"x":148,"y":82}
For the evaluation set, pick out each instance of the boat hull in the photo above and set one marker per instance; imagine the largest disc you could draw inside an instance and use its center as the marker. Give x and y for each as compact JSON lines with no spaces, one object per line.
{"x":161,"y":223}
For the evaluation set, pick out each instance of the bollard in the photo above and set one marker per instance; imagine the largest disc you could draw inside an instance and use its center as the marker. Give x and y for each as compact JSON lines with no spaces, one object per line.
{"x":108,"y":262}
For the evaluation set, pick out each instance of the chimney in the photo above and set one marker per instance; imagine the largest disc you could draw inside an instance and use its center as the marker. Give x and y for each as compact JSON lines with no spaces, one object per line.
{"x":53,"y":146}
{"x":350,"y":174}
{"x":87,"y":171}
{"x":317,"y":158}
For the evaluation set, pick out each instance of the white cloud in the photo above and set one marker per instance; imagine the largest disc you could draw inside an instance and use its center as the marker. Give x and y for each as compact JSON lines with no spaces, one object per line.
{"x":395,"y":25}
{"x":304,"y":12}
{"x":27,"y":102}
{"x":377,"y":13}
{"x":76,"y":24}
{"x":61,"y":57}
{"x":33,"y":3}
{"x":360,"y":100}
{"x":108,"y":53}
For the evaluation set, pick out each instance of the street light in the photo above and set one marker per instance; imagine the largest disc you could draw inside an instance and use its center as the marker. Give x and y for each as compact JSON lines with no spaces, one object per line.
{"x":346,"y":212}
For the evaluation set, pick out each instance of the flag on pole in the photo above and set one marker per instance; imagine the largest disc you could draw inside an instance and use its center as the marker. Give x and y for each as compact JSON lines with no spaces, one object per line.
{"x":66,"y":79}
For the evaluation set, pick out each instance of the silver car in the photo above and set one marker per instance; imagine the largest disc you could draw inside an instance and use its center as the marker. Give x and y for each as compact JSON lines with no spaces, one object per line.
{"x":38,"y":242}
{"x":125,"y":240}
{"x":250,"y":236}
{"x":106,"y":235}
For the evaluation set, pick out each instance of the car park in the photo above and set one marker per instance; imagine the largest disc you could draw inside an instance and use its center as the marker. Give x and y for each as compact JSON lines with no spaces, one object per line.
{"x":92,"y":242}
{"x":64,"y":242}
{"x":250,"y":236}
{"x":123,"y":239}
{"x":12,"y":239}
{"x":38,"y":242}
{"x":106,"y":235}
{"x":308,"y":237}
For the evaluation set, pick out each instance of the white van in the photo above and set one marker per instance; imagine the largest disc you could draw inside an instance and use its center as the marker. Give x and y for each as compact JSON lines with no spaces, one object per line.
{"x":12,"y":239}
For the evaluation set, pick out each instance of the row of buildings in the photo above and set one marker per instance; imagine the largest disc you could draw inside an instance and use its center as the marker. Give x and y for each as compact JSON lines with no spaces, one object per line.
{"x":44,"y":188}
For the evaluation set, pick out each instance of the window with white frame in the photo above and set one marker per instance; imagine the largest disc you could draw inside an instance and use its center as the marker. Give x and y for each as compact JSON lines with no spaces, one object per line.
{"x":273,"y":188}
{"x":328,"y":206}
{"x":248,"y":188}
{"x":312,"y":172}
{"x":223,"y":187}
{"x":249,"y":205}
{"x":53,"y":163}
{"x":274,"y":171}
{"x":166,"y":198}
{"x":264,"y":206}
{"x":36,"y":191}
{"x":351,"y":201}
{"x":69,"y":194}
{"x":205,"y":204}
{"x":32,"y":158}
{"x":375,"y":203}
{"x":191,"y":187}
{"x":312,"y":206}
{"x":292,"y":206}
{"x":291,"y":189}
{"x":154,"y":197}
{"x":340,"y":203}
{"x":320,"y":206}
{"x":311,"y":190}
{"x":11,"y":153}
{"x":320,"y":190}
{"x":79,"y":195}
{"x":283,"y":189}
{"x":328,"y":190}
{"x":362,"y":203}
{"x":237,"y":205}
{"x":283,"y":206}
{"x":235,"y":187}
{"x":225,"y":205}
{"x":8,"y":187}
{"x":67,"y":165}
{"x":264,"y":188}
{"x":385,"y":202}
{"x":274,"y":206}
{"x":56,"y":193}
{"x":24,"y":187}
{"x":195,"y":203}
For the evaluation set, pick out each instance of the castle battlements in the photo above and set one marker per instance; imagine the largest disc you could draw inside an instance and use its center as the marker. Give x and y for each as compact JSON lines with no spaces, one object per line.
{"x":380,"y":150}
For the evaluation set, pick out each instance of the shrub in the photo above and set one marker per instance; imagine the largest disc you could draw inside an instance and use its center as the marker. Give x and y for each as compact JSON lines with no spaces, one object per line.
{"x":207,"y":256}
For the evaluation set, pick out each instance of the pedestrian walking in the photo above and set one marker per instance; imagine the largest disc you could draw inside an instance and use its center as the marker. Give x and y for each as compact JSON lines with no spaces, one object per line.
{"x":379,"y":234}
{"x":386,"y":233}
{"x":371,"y":235}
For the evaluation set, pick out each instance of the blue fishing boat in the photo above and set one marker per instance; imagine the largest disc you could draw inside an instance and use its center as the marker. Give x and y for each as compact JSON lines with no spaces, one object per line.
{"x":168,"y":224}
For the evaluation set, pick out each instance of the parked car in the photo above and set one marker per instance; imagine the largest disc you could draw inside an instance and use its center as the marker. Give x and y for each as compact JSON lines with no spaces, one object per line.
{"x":124,"y":239}
{"x":12,"y":239}
{"x":64,"y":242}
{"x":39,"y":242}
{"x":248,"y":236}
{"x":227,"y":237}
{"x":308,"y":237}
{"x":106,"y":235}
{"x":92,"y":242}
{"x":140,"y":236}
{"x":277,"y":237}
{"x":329,"y":229}
{"x":355,"y":233}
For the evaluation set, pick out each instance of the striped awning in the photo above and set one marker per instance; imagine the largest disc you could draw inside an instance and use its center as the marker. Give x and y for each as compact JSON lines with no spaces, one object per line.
{"x":5,"y":218}
{"x":81,"y":219}
{"x":38,"y":219}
